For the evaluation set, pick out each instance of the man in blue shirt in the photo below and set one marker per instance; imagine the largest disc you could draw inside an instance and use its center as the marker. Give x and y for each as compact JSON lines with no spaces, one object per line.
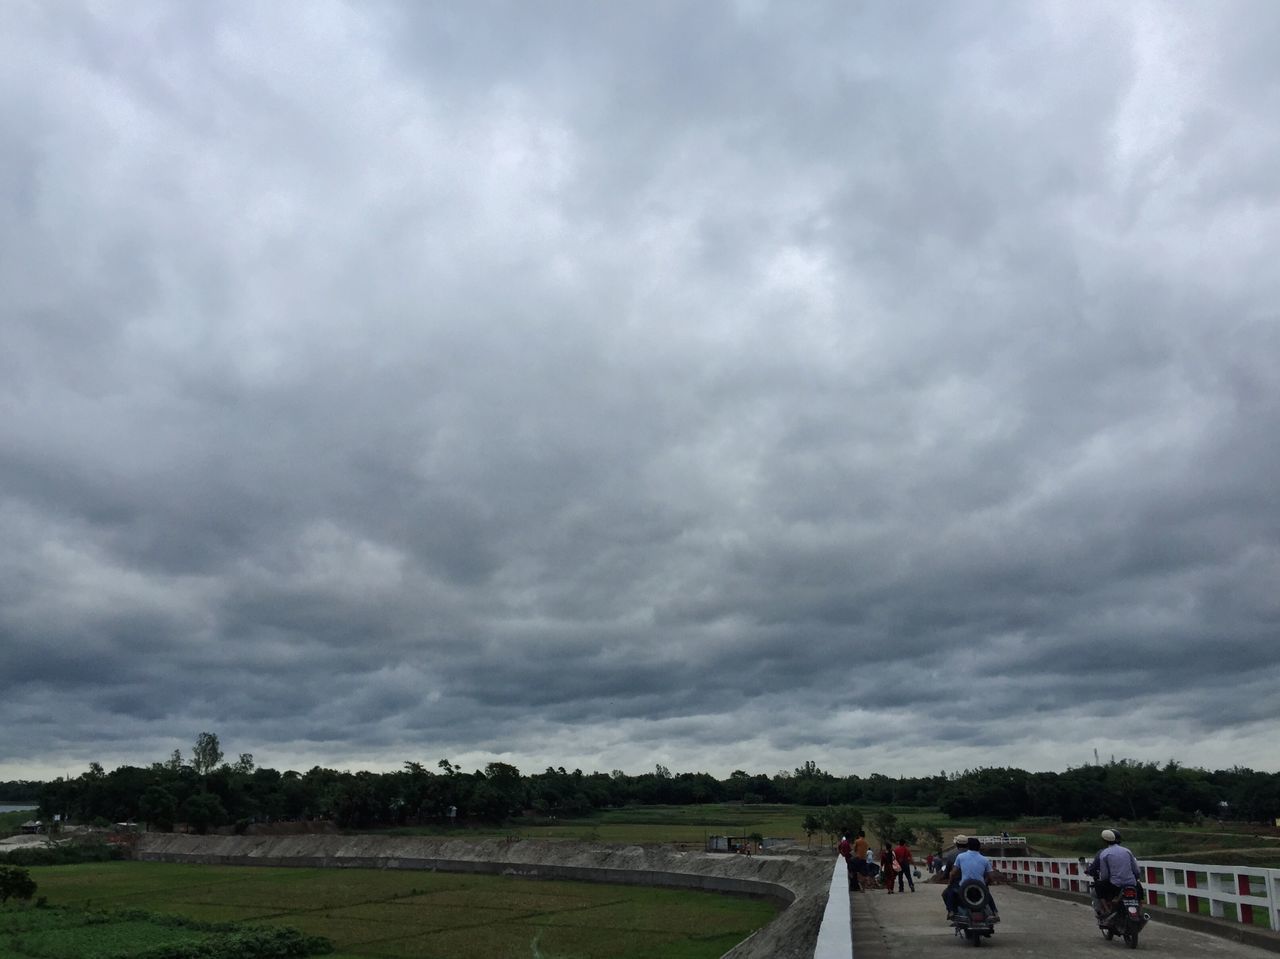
{"x":1113,"y":868}
{"x":970,"y":864}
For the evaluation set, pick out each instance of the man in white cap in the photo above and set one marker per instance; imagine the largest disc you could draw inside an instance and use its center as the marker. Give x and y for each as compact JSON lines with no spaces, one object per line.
{"x":947,"y":860}
{"x":970,"y":866}
{"x":1113,"y":868}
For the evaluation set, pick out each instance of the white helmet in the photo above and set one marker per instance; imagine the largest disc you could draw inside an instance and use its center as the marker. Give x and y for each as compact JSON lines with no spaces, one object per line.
{"x":961,"y":839}
{"x":1110,"y":835}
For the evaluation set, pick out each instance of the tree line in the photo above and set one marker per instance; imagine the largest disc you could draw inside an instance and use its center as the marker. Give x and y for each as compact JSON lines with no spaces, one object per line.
{"x":206,"y":790}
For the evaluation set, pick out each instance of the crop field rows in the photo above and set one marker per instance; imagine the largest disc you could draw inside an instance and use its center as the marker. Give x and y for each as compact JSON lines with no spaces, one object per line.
{"x":384,"y":914}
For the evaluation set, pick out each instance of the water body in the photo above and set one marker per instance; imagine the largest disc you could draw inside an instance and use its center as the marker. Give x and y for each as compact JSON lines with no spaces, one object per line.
{"x":10,"y":808}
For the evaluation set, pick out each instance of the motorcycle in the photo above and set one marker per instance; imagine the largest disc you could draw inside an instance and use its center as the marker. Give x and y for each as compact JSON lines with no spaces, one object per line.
{"x":1123,"y":915}
{"x":972,"y":918}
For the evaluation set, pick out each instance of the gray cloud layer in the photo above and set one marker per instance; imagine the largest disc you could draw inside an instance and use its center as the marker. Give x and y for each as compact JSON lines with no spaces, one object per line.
{"x":707,"y":385}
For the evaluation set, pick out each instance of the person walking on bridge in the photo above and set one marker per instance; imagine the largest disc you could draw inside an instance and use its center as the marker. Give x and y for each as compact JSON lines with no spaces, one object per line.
{"x":888,"y":866}
{"x":846,"y":850}
{"x":902,"y":853}
{"x":860,"y":850}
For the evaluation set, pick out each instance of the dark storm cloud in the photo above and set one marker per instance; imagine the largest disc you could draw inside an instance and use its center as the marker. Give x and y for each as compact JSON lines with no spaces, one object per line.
{"x":602,"y":387}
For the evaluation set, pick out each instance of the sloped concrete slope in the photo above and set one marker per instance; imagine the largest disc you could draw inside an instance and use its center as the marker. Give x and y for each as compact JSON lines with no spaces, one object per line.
{"x":800,"y":882}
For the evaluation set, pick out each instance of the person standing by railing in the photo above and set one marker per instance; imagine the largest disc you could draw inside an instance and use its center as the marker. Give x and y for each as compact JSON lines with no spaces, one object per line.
{"x":846,"y":851}
{"x":861,"y":853}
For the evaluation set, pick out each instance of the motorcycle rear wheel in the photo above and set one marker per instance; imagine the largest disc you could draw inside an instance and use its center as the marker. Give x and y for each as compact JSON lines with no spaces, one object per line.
{"x":1131,"y":940}
{"x":1108,"y":934}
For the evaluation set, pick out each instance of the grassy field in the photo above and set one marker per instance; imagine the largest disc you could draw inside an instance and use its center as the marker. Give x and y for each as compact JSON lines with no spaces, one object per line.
{"x":1211,"y":844}
{"x":675,"y":824}
{"x":649,"y":824}
{"x":11,"y":822}
{"x":391,"y":914}
{"x":62,"y":933}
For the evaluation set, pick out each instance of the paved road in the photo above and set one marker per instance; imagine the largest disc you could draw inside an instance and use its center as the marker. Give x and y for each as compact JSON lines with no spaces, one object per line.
{"x":913,"y":926}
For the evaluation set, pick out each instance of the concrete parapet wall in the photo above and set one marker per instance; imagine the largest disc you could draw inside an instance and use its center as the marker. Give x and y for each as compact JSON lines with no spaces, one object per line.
{"x":800,"y":883}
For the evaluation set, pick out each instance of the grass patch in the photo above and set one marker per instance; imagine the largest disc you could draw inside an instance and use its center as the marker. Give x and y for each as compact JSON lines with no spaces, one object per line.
{"x":1209,"y":844}
{"x":67,"y":933}
{"x":673,"y":824}
{"x":387,"y":914}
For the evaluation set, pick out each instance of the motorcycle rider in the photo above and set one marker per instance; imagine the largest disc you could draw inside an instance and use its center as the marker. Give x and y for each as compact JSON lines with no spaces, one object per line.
{"x":1113,"y":868}
{"x":969,"y":865}
{"x":948,"y":858}
{"x":945,"y":862}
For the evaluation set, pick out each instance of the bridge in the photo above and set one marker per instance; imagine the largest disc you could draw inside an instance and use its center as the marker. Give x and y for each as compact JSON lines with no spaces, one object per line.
{"x":1044,"y":912}
{"x":821,"y":918}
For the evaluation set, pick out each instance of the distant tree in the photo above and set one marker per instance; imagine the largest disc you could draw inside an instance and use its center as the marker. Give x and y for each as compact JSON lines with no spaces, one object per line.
{"x":244,"y":765}
{"x":158,"y":808}
{"x":930,"y":836}
{"x":204,"y":810}
{"x":885,"y":826}
{"x":16,"y":883}
{"x":207,"y":754}
{"x":507,"y":788}
{"x":810,"y":824}
{"x":840,"y":821}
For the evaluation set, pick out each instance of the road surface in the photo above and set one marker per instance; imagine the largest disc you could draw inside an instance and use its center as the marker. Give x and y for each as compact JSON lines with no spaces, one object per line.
{"x":910,"y":925}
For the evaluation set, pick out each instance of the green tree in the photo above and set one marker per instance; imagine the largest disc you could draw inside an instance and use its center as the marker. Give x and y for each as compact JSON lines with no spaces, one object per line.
{"x":930,"y":836}
{"x":810,"y":825}
{"x":16,"y":883}
{"x":204,"y":810}
{"x":158,"y":808}
{"x":885,"y":826}
{"x":207,"y":754}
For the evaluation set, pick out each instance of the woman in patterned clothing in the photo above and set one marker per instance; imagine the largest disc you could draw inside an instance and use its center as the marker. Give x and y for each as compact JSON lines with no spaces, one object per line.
{"x":887,"y":861}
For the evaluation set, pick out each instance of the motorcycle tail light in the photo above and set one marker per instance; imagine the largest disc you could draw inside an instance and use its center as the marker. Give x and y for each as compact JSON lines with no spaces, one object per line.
{"x":1130,"y":893}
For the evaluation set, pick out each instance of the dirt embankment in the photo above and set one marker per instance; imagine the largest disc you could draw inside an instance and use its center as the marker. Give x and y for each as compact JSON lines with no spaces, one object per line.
{"x":801,"y":882}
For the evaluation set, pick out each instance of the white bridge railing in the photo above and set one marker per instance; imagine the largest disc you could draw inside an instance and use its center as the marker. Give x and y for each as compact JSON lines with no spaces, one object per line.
{"x":1231,"y":892}
{"x":835,"y":935}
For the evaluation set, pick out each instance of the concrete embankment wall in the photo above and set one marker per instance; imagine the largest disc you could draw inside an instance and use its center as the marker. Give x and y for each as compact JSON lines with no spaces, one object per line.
{"x":799,"y":883}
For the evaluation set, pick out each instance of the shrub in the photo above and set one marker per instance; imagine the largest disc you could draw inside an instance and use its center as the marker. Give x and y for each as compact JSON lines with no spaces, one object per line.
{"x":65,"y":854}
{"x":16,"y":883}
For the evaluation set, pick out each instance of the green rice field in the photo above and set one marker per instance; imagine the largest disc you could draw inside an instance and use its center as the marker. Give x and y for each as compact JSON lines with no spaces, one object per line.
{"x":392,"y":914}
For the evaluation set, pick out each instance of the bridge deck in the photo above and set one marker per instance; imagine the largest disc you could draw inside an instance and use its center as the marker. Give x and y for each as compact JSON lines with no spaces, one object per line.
{"x":910,"y":925}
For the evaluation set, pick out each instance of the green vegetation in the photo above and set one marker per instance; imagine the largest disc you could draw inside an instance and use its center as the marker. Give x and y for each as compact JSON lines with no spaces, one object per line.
{"x":63,"y":854}
{"x":67,"y":933}
{"x":207,"y":793}
{"x":11,"y":822}
{"x":1209,"y":843}
{"x":379,"y":914}
{"x":15,"y":883}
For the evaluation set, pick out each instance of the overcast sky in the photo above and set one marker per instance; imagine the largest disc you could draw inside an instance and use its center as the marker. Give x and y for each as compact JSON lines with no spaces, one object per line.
{"x":720,"y":385}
